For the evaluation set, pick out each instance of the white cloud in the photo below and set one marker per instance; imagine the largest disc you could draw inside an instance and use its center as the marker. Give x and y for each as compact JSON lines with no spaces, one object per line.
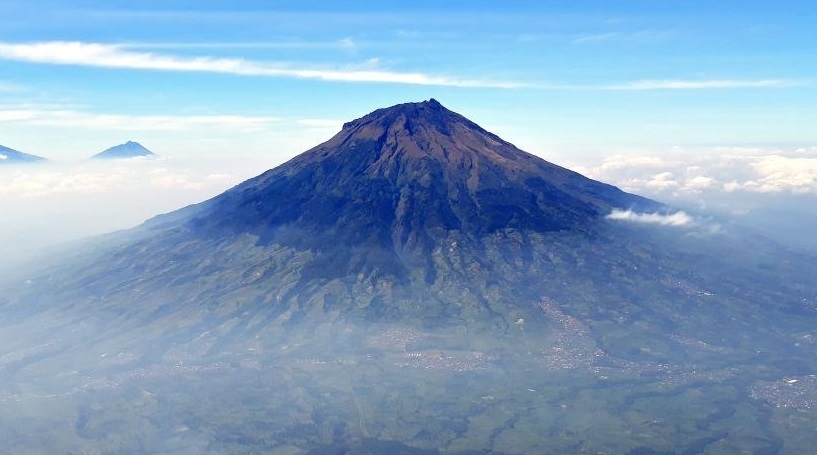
{"x":596,"y":38}
{"x":698,"y":183}
{"x":119,"y":56}
{"x":52,"y":203}
{"x":3,"y":157}
{"x":672,"y":219}
{"x":66,"y":117}
{"x":663,"y":180}
{"x":44,"y":182}
{"x":623,"y":161}
{"x":9,"y":87}
{"x":320,"y":123}
{"x":779,"y":173}
{"x":348,"y":44}
{"x":673,"y":84}
{"x":345,"y":44}
{"x":689,"y":173}
{"x":636,"y":36}
{"x":103,"y":177}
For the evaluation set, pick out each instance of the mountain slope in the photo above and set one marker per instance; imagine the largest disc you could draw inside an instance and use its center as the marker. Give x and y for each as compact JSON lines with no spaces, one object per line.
{"x":400,"y":206}
{"x":413,"y":285}
{"x":397,"y":181}
{"x":411,"y":214}
{"x":11,"y":156}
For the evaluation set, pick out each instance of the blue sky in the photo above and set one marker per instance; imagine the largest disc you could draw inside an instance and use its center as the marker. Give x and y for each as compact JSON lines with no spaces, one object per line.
{"x":703,"y":102}
{"x":557,"y":78}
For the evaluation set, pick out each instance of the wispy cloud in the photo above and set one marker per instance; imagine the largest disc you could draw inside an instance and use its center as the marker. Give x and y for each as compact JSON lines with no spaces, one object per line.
{"x":119,"y":56}
{"x":678,"y":84}
{"x":675,"y":84}
{"x":65,"y":117}
{"x":596,"y":37}
{"x":670,"y":219}
{"x":320,"y":123}
{"x":10,"y":87}
{"x":345,"y":44}
{"x":636,"y":36}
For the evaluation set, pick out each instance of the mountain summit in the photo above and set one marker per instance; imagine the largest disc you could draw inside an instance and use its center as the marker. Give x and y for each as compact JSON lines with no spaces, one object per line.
{"x":397,"y":182}
{"x":129,"y":149}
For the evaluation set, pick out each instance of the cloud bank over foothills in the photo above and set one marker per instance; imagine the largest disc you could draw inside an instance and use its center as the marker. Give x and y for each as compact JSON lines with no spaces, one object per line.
{"x":685,"y":173}
{"x":677,"y":174}
{"x":88,"y":178}
{"x":45,"y":205}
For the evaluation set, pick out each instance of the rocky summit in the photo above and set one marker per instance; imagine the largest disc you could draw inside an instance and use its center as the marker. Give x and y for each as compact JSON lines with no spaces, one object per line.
{"x":414,"y":285}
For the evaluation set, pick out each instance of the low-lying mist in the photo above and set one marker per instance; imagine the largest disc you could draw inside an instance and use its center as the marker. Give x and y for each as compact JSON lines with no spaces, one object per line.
{"x":53,"y":204}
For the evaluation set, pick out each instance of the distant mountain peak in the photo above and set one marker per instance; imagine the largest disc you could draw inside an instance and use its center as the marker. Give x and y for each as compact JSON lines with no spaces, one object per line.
{"x":129,"y":149}
{"x":11,"y":156}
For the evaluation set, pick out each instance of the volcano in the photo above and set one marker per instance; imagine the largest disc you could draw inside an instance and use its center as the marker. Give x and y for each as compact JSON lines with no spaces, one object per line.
{"x":409,"y":204}
{"x":415,"y":285}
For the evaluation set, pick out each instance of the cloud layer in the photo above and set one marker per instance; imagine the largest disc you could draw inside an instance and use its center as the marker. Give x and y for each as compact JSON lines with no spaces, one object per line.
{"x":120,"y":56}
{"x":52,"y":203}
{"x":683,"y":173}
